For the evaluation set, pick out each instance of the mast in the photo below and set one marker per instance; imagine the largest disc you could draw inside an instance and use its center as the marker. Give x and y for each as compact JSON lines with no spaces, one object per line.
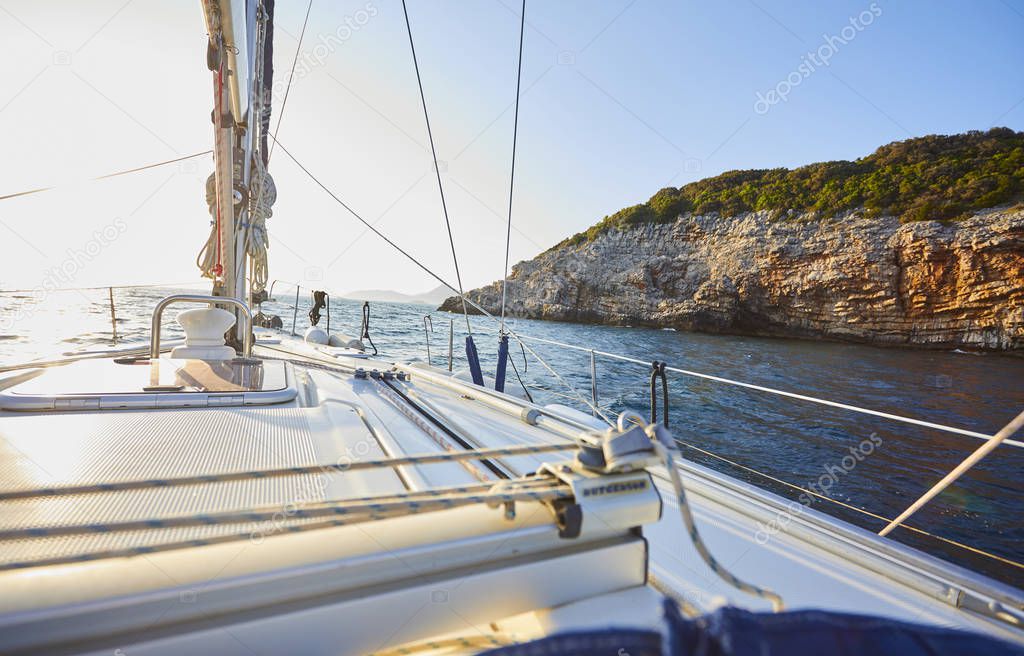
{"x":236,"y":36}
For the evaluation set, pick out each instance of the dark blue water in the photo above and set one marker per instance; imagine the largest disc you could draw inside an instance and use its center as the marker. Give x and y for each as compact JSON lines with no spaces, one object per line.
{"x":802,"y":443}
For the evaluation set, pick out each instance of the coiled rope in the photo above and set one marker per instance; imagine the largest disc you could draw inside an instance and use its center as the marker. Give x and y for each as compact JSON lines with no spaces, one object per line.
{"x":321,"y":300}
{"x":255,"y":236}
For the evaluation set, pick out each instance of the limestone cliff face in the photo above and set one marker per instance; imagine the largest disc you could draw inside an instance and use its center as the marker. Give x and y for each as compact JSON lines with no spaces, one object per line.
{"x":873,"y":280}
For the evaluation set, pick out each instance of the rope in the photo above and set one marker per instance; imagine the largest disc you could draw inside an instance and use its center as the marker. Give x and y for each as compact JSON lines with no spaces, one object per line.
{"x":319,"y":302}
{"x":792,"y":395}
{"x":848,"y":506}
{"x":206,"y":260}
{"x":658,"y":371}
{"x":365,"y":332}
{"x":369,"y":509}
{"x":520,"y":378}
{"x":669,"y":452}
{"x":200,"y":479}
{"x":110,"y":175}
{"x":402,"y":403}
{"x":339,"y":514}
{"x":254,"y":233}
{"x":209,"y":259}
{"x":512,"y":175}
{"x":958,"y":471}
{"x":255,"y":237}
{"x":437,"y":171}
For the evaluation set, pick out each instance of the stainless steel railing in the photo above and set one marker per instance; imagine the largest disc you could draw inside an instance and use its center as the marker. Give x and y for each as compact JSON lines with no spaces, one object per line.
{"x":158,"y":311}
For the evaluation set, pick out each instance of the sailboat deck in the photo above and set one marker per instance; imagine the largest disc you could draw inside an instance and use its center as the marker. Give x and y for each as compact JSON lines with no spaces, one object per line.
{"x":338,"y":416}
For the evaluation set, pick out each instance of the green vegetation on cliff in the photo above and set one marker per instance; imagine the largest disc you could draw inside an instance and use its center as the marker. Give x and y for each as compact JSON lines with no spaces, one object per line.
{"x":933,"y":177}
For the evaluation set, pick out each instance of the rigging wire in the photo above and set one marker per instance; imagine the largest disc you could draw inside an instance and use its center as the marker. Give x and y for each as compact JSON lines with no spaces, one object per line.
{"x":522,"y":342}
{"x":437,"y":171}
{"x":83,"y":289}
{"x":1006,"y":431}
{"x":359,"y":217}
{"x":372,"y":228}
{"x":116,"y":174}
{"x":288,"y":87}
{"x":512,"y":174}
{"x":770,"y":390}
{"x":848,"y":506}
{"x":470,"y":347}
{"x":256,"y":245}
{"x":529,"y":397}
{"x":701,"y":546}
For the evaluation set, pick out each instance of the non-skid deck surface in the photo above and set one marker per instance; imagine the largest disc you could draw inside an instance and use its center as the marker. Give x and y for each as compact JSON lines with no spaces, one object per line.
{"x":75,"y":449}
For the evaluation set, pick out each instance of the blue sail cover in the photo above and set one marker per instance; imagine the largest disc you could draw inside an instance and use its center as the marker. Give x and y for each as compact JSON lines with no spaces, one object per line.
{"x":735,"y":632}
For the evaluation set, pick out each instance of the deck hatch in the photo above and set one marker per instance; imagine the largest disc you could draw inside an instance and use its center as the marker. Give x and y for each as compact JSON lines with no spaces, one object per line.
{"x":164,"y":383}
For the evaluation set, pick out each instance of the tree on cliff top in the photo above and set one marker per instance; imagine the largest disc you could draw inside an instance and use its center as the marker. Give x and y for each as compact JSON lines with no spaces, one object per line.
{"x":927,"y":178}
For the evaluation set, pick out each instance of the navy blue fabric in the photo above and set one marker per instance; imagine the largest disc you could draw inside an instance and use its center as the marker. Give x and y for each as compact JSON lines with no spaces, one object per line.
{"x":735,"y":632}
{"x":499,"y":374}
{"x":474,"y":361}
{"x":610,"y":642}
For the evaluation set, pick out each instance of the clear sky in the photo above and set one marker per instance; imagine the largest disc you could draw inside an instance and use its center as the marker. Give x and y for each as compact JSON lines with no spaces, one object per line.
{"x":621,"y":98}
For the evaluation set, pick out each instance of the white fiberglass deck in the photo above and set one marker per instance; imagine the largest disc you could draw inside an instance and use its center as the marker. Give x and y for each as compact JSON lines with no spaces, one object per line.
{"x":326,"y":584}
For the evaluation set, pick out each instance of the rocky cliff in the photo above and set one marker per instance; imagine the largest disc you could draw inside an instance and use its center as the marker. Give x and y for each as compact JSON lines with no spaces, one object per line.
{"x":875,"y":280}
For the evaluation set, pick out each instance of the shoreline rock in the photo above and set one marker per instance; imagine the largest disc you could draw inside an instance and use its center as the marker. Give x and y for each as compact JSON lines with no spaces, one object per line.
{"x":931,"y":284}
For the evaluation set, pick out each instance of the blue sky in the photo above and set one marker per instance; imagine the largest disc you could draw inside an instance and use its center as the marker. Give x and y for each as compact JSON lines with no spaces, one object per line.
{"x":620,"y":99}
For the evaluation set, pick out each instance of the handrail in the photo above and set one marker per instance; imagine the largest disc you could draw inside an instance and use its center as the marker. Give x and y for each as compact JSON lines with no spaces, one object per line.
{"x":270,"y":294}
{"x":792,"y":395}
{"x":158,"y":311}
{"x":295,"y":306}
